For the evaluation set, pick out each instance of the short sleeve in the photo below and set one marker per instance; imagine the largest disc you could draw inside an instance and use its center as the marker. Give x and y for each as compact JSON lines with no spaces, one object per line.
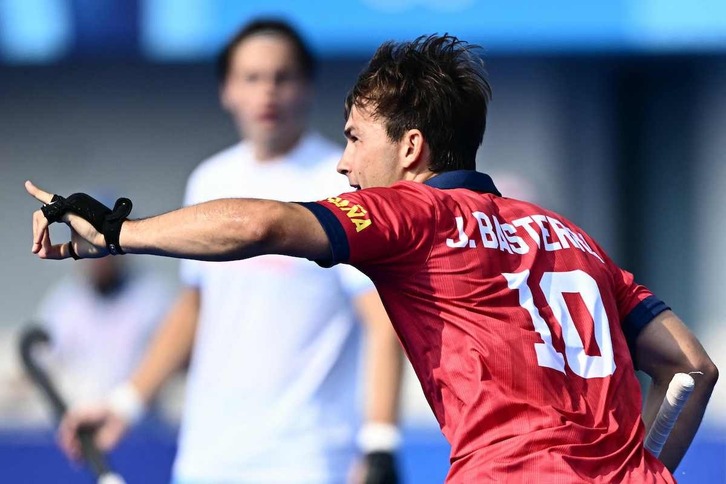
{"x":637,"y":306}
{"x":377,"y":228}
{"x":190,"y":271}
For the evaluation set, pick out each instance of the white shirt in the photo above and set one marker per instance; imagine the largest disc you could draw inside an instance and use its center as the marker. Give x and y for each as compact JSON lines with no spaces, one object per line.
{"x":98,"y":340}
{"x":271,"y":394}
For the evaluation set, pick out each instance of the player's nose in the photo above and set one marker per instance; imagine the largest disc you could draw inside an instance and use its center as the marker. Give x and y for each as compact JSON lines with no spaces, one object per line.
{"x":343,"y":166}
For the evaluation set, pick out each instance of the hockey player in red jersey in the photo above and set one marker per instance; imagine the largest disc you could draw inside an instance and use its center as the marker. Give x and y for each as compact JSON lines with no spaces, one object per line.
{"x":523,"y":332}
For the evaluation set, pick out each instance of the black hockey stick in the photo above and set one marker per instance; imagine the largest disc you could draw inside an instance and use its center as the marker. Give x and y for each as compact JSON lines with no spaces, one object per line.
{"x":31,"y":338}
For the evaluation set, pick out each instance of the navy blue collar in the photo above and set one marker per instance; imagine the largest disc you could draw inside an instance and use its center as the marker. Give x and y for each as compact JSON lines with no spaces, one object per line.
{"x":469,"y":179}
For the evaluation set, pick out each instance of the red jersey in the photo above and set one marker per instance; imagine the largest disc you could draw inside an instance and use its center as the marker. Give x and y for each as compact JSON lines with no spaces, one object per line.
{"x":516,"y":323}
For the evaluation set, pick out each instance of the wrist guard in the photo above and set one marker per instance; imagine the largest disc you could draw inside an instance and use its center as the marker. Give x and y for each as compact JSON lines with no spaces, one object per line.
{"x":106,"y":221}
{"x":381,"y":468}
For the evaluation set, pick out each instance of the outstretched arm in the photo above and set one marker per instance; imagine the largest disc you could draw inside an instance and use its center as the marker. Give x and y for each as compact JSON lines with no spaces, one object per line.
{"x":666,"y":347}
{"x":219,"y":230}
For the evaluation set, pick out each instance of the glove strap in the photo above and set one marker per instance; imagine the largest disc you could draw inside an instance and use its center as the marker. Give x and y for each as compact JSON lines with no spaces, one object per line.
{"x":112,"y":225}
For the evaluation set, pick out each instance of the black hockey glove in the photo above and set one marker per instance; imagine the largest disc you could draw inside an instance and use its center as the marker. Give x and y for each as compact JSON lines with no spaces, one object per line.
{"x":106,"y":221}
{"x":381,"y":468}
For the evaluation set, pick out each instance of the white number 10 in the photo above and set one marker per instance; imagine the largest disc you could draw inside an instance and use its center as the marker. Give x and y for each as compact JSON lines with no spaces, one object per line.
{"x":553,"y":285}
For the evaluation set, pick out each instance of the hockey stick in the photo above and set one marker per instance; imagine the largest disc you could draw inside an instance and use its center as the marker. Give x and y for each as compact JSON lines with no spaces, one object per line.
{"x":31,"y":338}
{"x":679,"y":390}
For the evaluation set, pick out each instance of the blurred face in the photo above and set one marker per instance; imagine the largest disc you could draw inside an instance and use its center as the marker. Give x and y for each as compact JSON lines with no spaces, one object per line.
{"x":104,"y":272}
{"x":266,"y":91}
{"x":370,"y":159}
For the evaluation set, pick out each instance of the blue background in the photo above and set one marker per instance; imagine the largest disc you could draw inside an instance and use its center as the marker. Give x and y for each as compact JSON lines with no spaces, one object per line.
{"x":48,"y":30}
{"x":148,"y":452}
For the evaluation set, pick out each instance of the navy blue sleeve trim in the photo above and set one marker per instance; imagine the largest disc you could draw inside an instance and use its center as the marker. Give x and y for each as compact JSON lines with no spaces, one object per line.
{"x":638,"y":318}
{"x":340,"y":250}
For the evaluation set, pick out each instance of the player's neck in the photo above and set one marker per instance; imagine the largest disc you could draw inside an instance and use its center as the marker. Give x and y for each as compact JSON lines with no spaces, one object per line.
{"x":418,"y":176}
{"x":271,"y":150}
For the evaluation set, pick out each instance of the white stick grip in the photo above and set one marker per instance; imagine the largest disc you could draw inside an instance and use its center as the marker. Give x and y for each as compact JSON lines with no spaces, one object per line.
{"x":111,"y":478}
{"x":679,"y":390}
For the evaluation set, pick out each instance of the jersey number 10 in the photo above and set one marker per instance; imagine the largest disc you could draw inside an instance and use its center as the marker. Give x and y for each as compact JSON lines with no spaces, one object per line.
{"x":553,"y":286}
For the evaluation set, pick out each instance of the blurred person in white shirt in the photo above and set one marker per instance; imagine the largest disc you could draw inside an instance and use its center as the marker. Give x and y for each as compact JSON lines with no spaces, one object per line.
{"x":100,"y":319}
{"x":272,"y":394}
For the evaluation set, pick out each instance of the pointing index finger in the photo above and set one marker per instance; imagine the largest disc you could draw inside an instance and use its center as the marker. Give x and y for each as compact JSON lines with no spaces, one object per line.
{"x":40,"y":195}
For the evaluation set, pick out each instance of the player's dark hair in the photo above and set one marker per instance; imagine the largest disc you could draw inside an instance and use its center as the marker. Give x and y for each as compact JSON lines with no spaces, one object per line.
{"x":267,"y":26}
{"x":435,"y":84}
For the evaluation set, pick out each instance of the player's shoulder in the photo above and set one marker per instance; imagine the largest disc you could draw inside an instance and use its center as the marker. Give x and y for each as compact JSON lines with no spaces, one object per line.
{"x":221,"y":162}
{"x":398,"y":191}
{"x":224,"y":165}
{"x":214,"y":170}
{"x":423,"y":192}
{"x":540,"y":210}
{"x":72,"y":291}
{"x":525,"y":208}
{"x":318,"y":143}
{"x":317,"y":152}
{"x":318,"y":157}
{"x":555,"y":225}
{"x":64,"y":290}
{"x":415,"y":196}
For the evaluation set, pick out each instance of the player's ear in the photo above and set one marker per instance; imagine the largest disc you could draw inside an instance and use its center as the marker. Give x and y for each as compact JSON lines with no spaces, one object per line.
{"x":412,"y":148}
{"x":224,"y":96}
